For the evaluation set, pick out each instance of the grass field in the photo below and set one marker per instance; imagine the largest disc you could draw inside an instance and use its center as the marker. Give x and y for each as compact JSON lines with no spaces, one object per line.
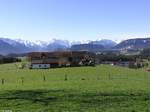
{"x":103,"y":88}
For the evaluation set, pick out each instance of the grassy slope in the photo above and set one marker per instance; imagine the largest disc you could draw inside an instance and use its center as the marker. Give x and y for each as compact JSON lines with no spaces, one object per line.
{"x":101,"y":88}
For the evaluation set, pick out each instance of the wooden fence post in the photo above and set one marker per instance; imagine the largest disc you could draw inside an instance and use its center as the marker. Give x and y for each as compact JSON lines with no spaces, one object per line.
{"x":22,"y":80}
{"x":44,"y":78}
{"x":2,"y":81}
{"x":145,"y":75}
{"x":66,"y":78}
{"x":109,"y":76}
{"x":98,"y":78}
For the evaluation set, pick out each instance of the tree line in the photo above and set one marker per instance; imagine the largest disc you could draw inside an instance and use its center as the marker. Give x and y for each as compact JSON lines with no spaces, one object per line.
{"x":113,"y":57}
{"x":4,"y":60}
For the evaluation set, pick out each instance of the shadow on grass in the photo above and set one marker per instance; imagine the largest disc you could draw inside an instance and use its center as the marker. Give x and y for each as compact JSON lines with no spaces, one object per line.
{"x":57,"y":98}
{"x":33,"y":96}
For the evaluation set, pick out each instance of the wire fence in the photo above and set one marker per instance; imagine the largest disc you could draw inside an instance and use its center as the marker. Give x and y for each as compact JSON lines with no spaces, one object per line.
{"x":67,"y":77}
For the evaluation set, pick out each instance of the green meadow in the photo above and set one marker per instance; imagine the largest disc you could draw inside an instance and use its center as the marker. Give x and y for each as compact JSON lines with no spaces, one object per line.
{"x":103,"y":88}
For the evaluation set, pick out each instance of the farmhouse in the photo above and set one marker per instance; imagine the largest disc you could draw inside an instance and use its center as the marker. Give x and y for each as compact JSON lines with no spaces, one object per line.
{"x":60,"y":59}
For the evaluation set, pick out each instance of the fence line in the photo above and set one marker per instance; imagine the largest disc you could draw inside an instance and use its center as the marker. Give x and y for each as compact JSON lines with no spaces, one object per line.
{"x":110,"y":76}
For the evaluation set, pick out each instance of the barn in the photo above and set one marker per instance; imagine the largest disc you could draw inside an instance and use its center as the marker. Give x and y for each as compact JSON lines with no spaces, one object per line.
{"x":61,"y":59}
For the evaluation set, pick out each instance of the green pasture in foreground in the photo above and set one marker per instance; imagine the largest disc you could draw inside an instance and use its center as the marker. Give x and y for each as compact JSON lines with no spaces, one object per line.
{"x":103,"y":88}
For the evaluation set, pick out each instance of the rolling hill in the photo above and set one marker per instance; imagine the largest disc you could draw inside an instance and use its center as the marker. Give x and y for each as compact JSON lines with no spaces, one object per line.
{"x":137,"y":43}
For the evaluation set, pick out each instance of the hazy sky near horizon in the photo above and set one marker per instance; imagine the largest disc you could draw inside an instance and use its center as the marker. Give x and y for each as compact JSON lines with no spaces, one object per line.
{"x":74,"y":19}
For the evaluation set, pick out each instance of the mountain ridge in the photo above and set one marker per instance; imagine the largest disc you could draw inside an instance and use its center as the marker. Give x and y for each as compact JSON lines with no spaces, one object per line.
{"x":8,"y":46}
{"x":23,"y":46}
{"x":135,"y":43}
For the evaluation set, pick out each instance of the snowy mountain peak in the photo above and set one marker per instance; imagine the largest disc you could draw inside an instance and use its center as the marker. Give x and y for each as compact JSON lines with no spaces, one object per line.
{"x":41,"y":43}
{"x":23,"y":46}
{"x":9,"y":41}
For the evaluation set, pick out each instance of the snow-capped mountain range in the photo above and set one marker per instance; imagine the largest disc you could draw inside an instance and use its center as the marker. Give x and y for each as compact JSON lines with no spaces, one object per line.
{"x":22,"y":46}
{"x":17,"y":46}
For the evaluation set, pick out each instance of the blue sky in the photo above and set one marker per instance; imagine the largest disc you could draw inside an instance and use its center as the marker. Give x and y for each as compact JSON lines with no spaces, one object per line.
{"x":74,"y":19}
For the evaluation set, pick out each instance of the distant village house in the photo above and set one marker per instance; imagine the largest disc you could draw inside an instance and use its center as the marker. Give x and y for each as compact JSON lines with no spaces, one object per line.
{"x":60,"y":59}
